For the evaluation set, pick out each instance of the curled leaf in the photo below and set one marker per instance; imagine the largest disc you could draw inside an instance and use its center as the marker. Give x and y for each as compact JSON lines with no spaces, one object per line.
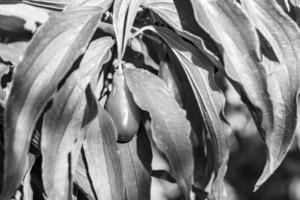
{"x":283,"y":78}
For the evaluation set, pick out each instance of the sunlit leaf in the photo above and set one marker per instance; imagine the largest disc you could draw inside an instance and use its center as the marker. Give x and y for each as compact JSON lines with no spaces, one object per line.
{"x":67,"y":4}
{"x":27,"y":190}
{"x":283,"y":79}
{"x":170,"y":128}
{"x":102,"y":158}
{"x":123,"y":18}
{"x":82,"y":178}
{"x":15,"y":17}
{"x":48,"y":58}
{"x":104,"y":4}
{"x":50,"y":4}
{"x":199,"y":72}
{"x":136,"y":157}
{"x":63,"y":123}
{"x":239,"y":41}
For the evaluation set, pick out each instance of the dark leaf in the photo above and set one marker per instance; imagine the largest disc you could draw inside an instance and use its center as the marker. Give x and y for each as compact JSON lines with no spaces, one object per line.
{"x":170,"y":128}
{"x":48,"y":58}
{"x":138,"y":45}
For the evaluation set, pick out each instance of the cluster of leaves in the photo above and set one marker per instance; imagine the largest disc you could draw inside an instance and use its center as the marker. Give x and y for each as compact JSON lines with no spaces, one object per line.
{"x":174,"y":56}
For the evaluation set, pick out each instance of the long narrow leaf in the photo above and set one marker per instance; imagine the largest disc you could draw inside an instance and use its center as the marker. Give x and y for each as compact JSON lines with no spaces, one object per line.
{"x":284,"y":36}
{"x":199,"y":72}
{"x":179,"y":15}
{"x":48,"y":58}
{"x":136,"y":157}
{"x":102,"y":156}
{"x":237,"y":36}
{"x":123,"y":18}
{"x":63,"y":123}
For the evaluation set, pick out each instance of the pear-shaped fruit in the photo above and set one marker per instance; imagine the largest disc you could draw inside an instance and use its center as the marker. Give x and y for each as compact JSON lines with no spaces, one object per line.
{"x":122,"y":108}
{"x":171,"y":79}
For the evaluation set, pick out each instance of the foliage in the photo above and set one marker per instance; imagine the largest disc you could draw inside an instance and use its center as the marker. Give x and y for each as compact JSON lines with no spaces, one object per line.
{"x":92,"y":91}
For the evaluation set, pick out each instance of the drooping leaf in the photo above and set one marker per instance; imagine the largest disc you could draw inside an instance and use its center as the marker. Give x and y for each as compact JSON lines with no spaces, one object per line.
{"x":48,"y":58}
{"x":13,"y":52}
{"x":16,"y":17}
{"x":123,"y":18}
{"x":199,"y":72}
{"x":170,"y":128}
{"x":239,"y":41}
{"x":283,"y":79}
{"x":102,"y":159}
{"x":63,"y":123}
{"x":136,"y":157}
{"x":179,"y":15}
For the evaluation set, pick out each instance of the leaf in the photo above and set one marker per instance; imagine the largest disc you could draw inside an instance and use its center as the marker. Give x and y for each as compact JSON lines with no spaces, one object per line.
{"x":199,"y":72}
{"x":136,"y":157}
{"x":295,"y":3}
{"x":13,"y":52}
{"x":238,"y":38}
{"x":15,"y":17}
{"x":123,"y":18}
{"x":82,"y":178}
{"x":170,"y":128}
{"x":283,"y":79}
{"x":179,"y":15}
{"x":50,"y":4}
{"x":63,"y":123}
{"x":48,"y":58}
{"x":103,"y":163}
{"x":67,"y":4}
{"x":104,"y":4}
{"x":27,"y":190}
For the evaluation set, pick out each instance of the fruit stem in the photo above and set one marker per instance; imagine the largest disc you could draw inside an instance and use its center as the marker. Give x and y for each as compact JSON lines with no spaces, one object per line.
{"x":120,"y":68}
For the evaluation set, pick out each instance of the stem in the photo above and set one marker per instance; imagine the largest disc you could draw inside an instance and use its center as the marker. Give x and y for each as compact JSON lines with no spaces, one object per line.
{"x":120,"y":69}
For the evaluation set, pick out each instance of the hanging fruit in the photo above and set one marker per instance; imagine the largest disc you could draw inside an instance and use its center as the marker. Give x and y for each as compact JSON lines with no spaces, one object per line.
{"x":122,"y":108}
